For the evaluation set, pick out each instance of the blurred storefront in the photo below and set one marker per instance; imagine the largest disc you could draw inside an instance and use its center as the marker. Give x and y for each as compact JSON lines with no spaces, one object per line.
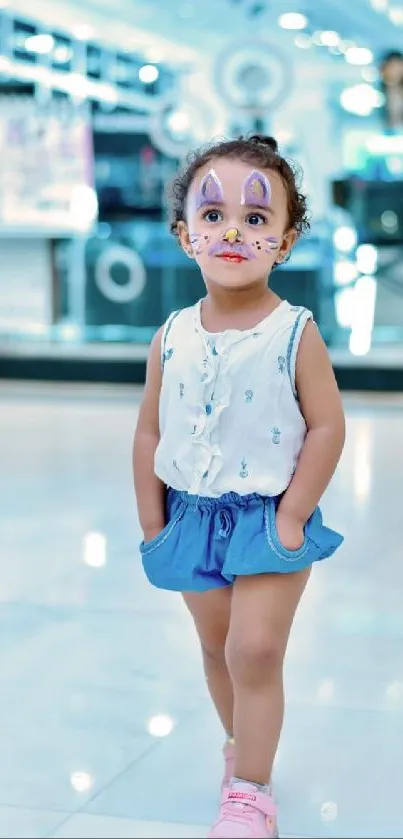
{"x":91,"y":132}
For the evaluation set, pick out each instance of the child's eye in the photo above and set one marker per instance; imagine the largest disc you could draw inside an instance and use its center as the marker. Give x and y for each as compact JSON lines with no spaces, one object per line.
{"x":213,"y":216}
{"x":255,"y":219}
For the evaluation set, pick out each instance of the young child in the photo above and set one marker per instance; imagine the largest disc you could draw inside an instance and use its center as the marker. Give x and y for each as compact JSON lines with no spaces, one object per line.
{"x":239,"y":433}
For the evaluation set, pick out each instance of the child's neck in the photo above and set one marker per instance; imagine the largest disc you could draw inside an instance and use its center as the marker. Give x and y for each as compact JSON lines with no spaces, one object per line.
{"x":229,"y":309}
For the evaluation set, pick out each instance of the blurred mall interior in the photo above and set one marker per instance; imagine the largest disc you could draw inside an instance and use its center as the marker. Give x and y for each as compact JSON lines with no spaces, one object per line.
{"x":106,"y":729}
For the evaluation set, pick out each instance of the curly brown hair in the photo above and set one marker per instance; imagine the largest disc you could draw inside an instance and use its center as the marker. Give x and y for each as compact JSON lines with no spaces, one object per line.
{"x":260,"y":151}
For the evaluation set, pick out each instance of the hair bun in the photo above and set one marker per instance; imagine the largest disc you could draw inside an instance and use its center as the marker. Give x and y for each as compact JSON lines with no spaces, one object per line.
{"x":265,"y":141}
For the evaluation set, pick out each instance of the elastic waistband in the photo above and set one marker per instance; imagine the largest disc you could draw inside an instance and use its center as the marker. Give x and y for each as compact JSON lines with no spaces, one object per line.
{"x":204,"y":502}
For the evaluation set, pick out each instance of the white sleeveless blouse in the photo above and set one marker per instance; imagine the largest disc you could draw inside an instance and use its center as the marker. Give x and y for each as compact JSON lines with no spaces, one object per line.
{"x":229,"y":414}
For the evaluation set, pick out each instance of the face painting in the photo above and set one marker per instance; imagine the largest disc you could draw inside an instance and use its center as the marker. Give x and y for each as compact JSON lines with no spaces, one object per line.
{"x":234,"y":215}
{"x":231,"y":251}
{"x":198,"y":242}
{"x":272,"y":243}
{"x":256,"y":191}
{"x":210,"y":191}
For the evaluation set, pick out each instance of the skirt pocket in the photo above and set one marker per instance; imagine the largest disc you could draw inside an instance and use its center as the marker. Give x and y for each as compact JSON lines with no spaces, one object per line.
{"x":270,"y":509}
{"x":319,"y":541}
{"x":157,"y":553}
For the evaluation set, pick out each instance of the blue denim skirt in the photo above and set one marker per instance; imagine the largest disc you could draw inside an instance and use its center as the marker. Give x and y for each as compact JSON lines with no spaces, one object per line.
{"x":207,"y":542}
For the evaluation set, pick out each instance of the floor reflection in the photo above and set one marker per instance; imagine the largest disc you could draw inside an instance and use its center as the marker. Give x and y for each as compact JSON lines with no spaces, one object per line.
{"x":105,"y":726}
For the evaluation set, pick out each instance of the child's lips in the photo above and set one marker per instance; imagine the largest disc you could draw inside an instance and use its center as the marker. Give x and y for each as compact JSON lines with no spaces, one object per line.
{"x":231,"y":257}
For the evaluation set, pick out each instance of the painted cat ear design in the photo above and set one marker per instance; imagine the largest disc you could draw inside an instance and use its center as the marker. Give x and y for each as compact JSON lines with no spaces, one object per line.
{"x":256,"y":190}
{"x":210,"y":191}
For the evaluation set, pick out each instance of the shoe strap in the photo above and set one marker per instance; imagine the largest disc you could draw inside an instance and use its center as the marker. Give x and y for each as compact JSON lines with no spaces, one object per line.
{"x":259,"y":800}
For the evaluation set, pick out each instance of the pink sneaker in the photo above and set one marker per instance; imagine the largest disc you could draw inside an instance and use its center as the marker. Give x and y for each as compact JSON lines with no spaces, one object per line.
{"x":229,"y":760}
{"x":245,"y":814}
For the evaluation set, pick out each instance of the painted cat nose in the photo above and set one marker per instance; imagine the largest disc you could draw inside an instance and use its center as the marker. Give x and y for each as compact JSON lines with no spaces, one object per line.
{"x":231,"y":235}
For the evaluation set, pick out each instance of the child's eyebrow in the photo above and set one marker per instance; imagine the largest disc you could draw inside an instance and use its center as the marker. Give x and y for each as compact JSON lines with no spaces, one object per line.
{"x":207,"y":202}
{"x":264,"y":207}
{"x":204,"y":202}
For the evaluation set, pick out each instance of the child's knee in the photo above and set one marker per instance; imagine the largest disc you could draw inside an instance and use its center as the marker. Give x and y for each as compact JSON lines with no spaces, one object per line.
{"x":211,"y":614}
{"x":213,"y":645}
{"x":253,"y":657}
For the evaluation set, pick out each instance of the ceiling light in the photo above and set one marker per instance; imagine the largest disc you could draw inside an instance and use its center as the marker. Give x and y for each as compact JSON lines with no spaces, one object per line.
{"x":367,"y":259}
{"x":395,"y":166}
{"x":359,"y":55}
{"x":395,"y":14}
{"x":385,"y":144}
{"x":344,"y":305}
{"x":345,"y":272}
{"x":292,"y":20}
{"x":178,"y":122}
{"x":62,"y":54}
{"x":360,"y":99}
{"x":345,"y":238}
{"x":379,"y":5}
{"x":284,"y":136}
{"x":329,"y":38}
{"x":41,"y":44}
{"x":360,"y":342}
{"x":390,"y":221}
{"x":83,"y":32}
{"x":363,"y":315}
{"x":148,"y":73}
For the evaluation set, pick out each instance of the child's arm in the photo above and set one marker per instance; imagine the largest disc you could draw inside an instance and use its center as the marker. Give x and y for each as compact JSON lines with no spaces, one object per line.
{"x":149,"y":489}
{"x":322,"y":409}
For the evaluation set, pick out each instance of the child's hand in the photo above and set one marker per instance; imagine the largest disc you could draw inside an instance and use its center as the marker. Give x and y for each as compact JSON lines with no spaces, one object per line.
{"x":290,"y":531}
{"x":152,"y":533}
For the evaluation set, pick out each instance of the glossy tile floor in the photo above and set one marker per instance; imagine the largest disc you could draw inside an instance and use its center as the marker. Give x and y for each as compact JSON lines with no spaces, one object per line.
{"x":105,"y":725}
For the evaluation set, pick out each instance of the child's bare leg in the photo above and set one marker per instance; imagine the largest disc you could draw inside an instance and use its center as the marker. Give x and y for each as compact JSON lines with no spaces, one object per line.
{"x":211,"y":613}
{"x":262,"y":612}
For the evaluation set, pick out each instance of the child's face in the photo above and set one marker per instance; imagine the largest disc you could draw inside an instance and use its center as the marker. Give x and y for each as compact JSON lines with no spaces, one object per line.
{"x":237,"y":220}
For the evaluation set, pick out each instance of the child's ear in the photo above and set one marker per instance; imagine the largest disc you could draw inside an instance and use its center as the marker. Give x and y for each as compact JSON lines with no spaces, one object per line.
{"x":184,"y":238}
{"x":289,"y":239}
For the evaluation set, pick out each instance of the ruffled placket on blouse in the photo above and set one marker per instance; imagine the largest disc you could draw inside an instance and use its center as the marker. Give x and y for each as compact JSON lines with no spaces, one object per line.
{"x":214,"y":397}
